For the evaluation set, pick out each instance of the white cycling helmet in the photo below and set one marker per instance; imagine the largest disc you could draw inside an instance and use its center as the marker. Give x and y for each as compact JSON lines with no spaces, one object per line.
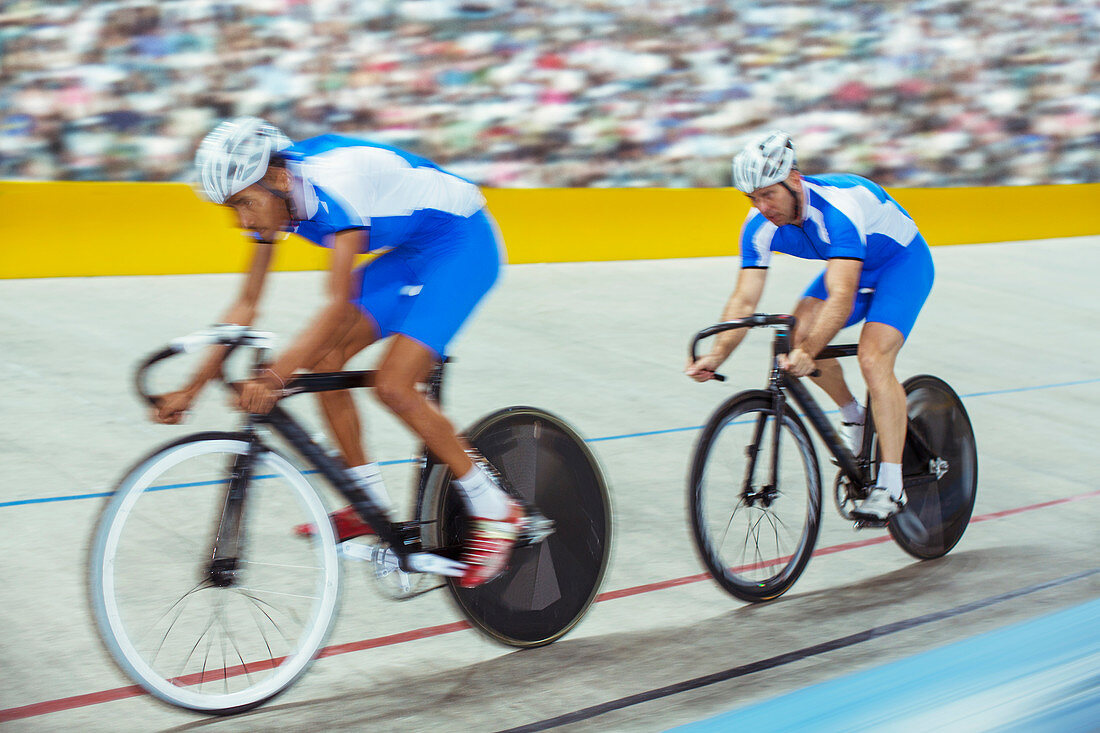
{"x":763,"y":161}
{"x":236,"y":154}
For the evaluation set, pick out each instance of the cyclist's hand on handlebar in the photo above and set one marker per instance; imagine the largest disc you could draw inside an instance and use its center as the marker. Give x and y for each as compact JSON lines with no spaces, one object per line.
{"x":258,"y":396}
{"x":797,"y":363}
{"x":703,"y":368}
{"x":172,"y":408}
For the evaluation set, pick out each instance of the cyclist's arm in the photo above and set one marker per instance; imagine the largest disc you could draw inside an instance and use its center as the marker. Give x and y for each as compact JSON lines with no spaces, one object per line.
{"x":842,"y":282}
{"x":742,"y":302}
{"x":242,"y":312}
{"x":329,"y":325}
{"x":171,"y":408}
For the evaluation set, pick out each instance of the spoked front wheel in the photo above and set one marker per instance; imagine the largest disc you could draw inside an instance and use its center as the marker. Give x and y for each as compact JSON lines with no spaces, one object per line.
{"x":754,"y":528}
{"x":214,"y":644}
{"x":940,"y":465}
{"x":549,"y":584}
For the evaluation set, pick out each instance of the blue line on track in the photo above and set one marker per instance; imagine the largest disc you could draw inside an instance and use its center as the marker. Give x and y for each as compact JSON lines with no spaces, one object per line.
{"x":102,"y":494}
{"x":1032,"y":389}
{"x":642,"y":435}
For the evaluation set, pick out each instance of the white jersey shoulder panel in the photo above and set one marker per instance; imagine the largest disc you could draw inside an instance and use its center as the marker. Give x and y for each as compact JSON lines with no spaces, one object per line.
{"x":374,"y":182}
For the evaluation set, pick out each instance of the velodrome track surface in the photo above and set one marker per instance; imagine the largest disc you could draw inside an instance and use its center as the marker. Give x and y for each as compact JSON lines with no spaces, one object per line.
{"x":1011,"y":326}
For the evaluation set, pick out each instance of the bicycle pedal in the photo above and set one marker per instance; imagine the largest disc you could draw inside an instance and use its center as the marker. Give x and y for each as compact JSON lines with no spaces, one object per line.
{"x":871,"y":523}
{"x":535,"y":529}
{"x":426,"y":562}
{"x":353,"y":550}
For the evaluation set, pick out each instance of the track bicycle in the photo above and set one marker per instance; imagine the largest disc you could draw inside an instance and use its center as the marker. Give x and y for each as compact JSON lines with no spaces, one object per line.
{"x":754,"y":488}
{"x":205,"y":596}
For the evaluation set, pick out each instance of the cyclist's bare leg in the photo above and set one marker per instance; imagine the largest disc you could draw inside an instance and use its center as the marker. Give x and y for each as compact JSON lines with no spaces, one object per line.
{"x":339,"y":408}
{"x":496,"y":518}
{"x":879,"y":345}
{"x":831,"y":379}
{"x":406,"y":363}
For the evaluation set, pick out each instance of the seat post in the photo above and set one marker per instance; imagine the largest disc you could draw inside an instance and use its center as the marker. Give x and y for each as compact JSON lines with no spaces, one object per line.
{"x":435,"y":381}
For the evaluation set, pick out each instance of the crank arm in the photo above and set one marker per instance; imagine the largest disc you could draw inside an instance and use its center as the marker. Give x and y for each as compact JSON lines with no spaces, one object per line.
{"x":417,"y":562}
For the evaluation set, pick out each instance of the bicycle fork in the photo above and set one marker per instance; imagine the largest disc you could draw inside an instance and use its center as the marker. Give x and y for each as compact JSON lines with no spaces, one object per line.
{"x":768,"y":492}
{"x":400,"y":543}
{"x":229,"y":537}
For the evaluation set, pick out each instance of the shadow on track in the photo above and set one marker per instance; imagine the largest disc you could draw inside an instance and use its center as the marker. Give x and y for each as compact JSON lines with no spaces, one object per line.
{"x":525,"y":686}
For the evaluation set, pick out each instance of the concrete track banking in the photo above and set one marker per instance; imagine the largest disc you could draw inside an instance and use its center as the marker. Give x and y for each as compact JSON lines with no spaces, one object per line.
{"x":1011,"y":326}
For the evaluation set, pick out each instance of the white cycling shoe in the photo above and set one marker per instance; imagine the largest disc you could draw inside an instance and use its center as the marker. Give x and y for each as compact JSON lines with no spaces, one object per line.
{"x":880,"y":505}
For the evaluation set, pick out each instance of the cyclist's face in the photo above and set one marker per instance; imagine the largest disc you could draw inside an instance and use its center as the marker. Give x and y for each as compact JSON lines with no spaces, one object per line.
{"x":260,"y":211}
{"x":776,"y":203}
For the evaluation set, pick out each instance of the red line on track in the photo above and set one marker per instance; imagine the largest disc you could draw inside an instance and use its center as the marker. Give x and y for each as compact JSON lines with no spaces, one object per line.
{"x":121,"y":693}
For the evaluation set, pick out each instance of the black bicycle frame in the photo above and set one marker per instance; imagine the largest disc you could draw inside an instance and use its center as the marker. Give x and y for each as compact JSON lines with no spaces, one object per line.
{"x":402,"y":537}
{"x":229,"y":538}
{"x":780,"y":383}
{"x":395,"y":534}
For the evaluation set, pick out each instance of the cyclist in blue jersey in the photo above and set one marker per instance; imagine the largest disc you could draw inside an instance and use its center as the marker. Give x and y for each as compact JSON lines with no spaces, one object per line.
{"x":441,"y":253}
{"x":879,"y":270}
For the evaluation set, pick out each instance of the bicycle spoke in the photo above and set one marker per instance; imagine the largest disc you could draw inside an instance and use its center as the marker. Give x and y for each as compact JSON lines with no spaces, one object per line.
{"x":198,"y":641}
{"x":758,"y":556}
{"x":236,"y":649}
{"x":778,"y":524}
{"x":180,"y":603}
{"x":252,"y":612}
{"x":736,"y":507}
{"x":256,"y":602}
{"x":205,"y":660}
{"x":171,"y":633}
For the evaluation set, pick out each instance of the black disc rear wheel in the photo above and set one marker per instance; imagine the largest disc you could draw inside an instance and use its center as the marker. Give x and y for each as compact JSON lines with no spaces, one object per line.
{"x":938,"y":508}
{"x":550,"y":584}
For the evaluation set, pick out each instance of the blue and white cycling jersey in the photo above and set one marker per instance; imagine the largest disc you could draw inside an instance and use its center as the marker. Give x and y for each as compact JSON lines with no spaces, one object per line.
{"x":849,"y":217}
{"x":342,"y":183}
{"x":846,"y":217}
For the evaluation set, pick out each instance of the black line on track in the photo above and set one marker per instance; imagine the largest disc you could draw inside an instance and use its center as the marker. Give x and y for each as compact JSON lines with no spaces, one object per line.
{"x":793,"y":656}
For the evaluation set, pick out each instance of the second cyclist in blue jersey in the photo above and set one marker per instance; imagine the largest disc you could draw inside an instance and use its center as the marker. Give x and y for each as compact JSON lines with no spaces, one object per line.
{"x":879,"y":270}
{"x":441,"y":253}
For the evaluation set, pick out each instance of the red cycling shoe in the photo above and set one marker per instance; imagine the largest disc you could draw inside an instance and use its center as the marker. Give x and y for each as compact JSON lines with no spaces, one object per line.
{"x":489,"y":546}
{"x":345,"y":521}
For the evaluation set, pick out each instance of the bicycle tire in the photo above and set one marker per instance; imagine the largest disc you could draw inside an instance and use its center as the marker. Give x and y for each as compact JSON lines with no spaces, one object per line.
{"x":548,"y":585}
{"x":937,"y":512}
{"x":155,"y":532}
{"x":717,"y":498}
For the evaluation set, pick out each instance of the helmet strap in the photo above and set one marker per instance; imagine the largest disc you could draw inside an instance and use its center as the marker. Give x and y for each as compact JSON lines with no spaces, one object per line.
{"x":797,"y":203}
{"x":284,"y":196}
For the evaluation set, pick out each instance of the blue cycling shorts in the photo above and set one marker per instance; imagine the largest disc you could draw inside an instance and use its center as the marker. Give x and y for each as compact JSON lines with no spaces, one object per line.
{"x":428,"y":292}
{"x":894,"y":293}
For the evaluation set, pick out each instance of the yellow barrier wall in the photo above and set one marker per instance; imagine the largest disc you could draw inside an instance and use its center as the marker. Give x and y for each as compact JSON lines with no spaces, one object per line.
{"x":84,"y":229}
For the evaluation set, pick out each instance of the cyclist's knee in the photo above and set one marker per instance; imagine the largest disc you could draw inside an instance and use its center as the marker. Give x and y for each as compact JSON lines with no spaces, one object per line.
{"x":333,"y":361}
{"x":396,"y":391}
{"x":877,"y":366}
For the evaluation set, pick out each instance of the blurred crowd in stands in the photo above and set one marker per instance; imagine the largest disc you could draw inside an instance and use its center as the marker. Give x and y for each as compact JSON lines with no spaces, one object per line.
{"x":562,"y":93}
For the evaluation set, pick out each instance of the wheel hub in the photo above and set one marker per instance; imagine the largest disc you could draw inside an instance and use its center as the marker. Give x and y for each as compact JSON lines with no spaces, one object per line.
{"x":766,"y":496}
{"x":223,"y":571}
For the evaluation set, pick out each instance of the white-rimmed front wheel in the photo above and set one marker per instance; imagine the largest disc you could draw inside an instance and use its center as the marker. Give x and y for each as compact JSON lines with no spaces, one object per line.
{"x":213,"y":642}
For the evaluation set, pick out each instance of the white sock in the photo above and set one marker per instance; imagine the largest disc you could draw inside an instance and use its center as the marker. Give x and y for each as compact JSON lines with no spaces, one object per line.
{"x":483,"y":497}
{"x":369,"y":477}
{"x":889,"y":478}
{"x":852,"y":412}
